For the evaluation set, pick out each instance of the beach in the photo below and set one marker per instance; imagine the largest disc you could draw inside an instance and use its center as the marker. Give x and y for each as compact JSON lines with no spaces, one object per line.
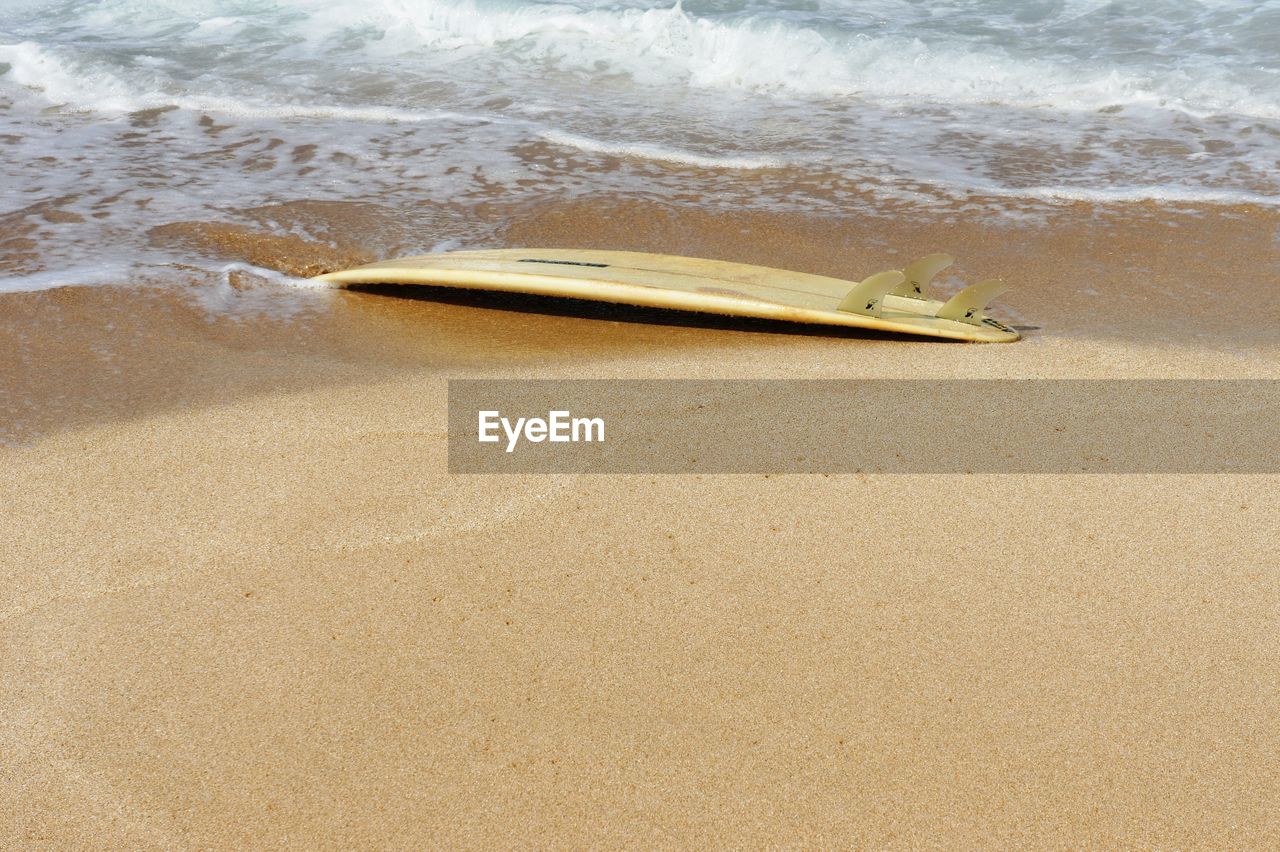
{"x":248,"y":606}
{"x":250,"y":598}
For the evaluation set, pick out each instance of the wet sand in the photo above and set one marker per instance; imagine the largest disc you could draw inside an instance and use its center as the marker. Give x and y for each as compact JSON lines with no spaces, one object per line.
{"x":248,"y":607}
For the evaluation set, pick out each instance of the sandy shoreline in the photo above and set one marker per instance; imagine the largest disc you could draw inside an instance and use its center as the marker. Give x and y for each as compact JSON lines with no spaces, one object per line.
{"x":249,"y":607}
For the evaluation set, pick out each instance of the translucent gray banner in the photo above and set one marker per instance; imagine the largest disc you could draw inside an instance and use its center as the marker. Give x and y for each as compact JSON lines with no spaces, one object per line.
{"x":869,"y":426}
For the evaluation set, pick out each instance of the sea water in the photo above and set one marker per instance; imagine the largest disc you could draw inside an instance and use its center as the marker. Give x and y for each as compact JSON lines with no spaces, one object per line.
{"x":118,"y":115}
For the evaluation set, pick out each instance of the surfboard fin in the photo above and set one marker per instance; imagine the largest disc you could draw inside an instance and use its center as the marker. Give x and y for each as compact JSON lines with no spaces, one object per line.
{"x":919,"y":273}
{"x":867,"y":295}
{"x":967,"y":305}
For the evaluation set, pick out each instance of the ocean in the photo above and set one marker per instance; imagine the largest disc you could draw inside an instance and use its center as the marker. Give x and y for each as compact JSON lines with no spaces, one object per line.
{"x":119,"y":116}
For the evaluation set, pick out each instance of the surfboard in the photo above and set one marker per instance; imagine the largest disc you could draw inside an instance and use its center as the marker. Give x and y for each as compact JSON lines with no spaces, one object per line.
{"x":893,"y":301}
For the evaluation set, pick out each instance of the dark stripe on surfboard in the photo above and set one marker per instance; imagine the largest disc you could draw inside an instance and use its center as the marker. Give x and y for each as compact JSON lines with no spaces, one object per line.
{"x":563,"y":262}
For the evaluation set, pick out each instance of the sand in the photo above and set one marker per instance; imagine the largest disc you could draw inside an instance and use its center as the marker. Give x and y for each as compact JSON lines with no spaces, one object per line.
{"x":245,"y":605}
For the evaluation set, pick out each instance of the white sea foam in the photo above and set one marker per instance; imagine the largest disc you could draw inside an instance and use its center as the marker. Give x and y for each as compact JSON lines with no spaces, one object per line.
{"x":660,"y":153}
{"x":271,"y":275}
{"x":256,"y":291}
{"x":756,"y":50}
{"x":79,"y":276}
{"x":760,"y":50}
{"x":59,"y":82}
{"x":36,"y":68}
{"x":448,"y":105}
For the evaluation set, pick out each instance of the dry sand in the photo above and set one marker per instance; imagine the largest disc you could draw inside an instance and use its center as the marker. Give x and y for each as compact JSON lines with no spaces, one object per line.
{"x":244,"y":604}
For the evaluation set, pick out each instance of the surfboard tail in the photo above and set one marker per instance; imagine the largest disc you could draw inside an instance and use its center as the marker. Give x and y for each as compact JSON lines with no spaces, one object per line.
{"x":910,"y":288}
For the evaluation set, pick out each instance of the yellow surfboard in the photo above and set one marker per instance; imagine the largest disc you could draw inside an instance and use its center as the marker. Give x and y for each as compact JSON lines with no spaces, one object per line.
{"x":895,"y":301}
